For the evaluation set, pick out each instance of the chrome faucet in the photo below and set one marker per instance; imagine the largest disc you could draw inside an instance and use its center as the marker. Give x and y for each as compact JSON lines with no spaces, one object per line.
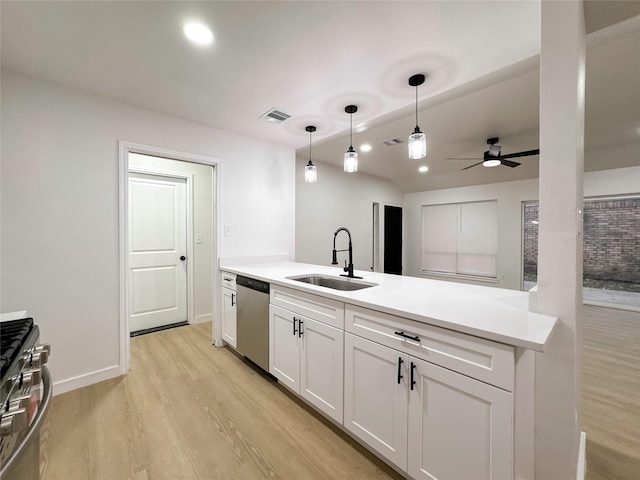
{"x":347,"y":267}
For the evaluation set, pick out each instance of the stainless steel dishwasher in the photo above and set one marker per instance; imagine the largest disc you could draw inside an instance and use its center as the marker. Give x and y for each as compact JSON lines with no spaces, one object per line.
{"x":253,"y":320}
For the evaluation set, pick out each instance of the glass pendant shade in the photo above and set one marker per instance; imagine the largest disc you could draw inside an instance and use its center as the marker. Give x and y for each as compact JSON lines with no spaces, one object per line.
{"x":417,"y":144}
{"x":351,"y":161}
{"x":310,"y":173}
{"x":417,"y":140}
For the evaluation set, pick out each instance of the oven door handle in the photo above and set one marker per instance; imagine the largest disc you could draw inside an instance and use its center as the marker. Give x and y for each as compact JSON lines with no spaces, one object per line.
{"x":33,"y":429}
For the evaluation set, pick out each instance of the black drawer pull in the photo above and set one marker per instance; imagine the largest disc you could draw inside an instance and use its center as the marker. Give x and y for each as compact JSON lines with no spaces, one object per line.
{"x":413,"y":382}
{"x":294,"y":325}
{"x":399,"y":369}
{"x":415,"y":338}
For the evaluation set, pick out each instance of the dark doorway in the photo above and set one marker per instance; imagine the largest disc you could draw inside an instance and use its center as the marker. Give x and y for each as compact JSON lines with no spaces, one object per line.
{"x":393,"y":239}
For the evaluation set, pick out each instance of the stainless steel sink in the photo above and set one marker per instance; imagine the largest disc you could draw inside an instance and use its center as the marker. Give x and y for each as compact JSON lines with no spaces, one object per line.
{"x":336,"y":283}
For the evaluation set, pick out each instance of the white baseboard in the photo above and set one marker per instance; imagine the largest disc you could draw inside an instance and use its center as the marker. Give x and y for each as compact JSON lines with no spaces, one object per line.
{"x":64,"y":386}
{"x":582,"y":457}
{"x":206,"y":317}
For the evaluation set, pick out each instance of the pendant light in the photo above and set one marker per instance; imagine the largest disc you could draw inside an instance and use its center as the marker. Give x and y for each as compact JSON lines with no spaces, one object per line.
{"x":310,"y":173}
{"x":417,"y":140}
{"x":351,"y":156}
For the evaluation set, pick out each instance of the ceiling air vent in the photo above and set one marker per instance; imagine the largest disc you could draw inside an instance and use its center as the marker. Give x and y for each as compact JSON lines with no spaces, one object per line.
{"x":392,"y":141}
{"x":275,"y":116}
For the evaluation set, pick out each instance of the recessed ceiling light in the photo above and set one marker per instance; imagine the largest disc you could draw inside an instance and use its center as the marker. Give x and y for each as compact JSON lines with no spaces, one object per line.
{"x":198,"y":33}
{"x":365,"y":147}
{"x":423,"y":169}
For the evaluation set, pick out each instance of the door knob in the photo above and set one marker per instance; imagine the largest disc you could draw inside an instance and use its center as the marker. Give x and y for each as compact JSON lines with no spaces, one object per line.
{"x":183,"y":258}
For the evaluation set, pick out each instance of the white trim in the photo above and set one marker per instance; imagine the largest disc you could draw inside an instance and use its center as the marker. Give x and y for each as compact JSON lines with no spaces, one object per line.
{"x":582,"y":457}
{"x":84,"y":380}
{"x":205,"y":317}
{"x":459,"y":276}
{"x":616,"y":306}
{"x":123,"y":181}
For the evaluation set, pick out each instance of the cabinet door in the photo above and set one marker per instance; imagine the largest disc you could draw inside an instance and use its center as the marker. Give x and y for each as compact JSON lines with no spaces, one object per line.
{"x":229,"y":316}
{"x":459,"y":428}
{"x":376,"y":397}
{"x":284,"y":361}
{"x":322,"y":367}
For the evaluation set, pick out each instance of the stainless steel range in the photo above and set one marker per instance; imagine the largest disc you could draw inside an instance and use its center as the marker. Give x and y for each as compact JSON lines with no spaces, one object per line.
{"x":25,"y":393}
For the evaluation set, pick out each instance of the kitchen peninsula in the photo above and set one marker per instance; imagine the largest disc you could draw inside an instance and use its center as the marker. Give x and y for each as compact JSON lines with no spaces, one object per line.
{"x":435,"y":377}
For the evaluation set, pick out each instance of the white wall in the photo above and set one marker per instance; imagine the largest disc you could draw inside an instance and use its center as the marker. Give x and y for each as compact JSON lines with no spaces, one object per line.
{"x":59,"y":243}
{"x":203,"y":195}
{"x":510,"y":196}
{"x":338,"y":199}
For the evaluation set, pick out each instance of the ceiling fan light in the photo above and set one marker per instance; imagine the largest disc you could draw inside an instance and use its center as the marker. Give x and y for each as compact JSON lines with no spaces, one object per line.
{"x":491,"y":163}
{"x":351,"y":161}
{"x":417,"y":145}
{"x":310,"y":173}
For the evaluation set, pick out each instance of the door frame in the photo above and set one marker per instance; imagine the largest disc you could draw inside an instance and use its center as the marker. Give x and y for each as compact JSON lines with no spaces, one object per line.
{"x":188,"y":178}
{"x":125,"y":148}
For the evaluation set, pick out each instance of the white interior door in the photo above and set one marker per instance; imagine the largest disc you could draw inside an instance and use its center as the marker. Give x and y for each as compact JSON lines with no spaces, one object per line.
{"x":157,"y":245}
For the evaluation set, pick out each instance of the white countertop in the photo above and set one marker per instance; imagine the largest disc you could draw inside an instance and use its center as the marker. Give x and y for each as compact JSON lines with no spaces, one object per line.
{"x":492,"y":313}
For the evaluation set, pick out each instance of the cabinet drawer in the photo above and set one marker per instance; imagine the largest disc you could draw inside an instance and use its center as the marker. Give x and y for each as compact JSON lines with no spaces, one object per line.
{"x":485,"y":360}
{"x":228,"y":280}
{"x":324,"y":310}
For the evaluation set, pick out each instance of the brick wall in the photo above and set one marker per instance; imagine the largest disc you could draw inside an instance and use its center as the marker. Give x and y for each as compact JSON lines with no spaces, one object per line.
{"x":530,"y":238}
{"x":611,"y":239}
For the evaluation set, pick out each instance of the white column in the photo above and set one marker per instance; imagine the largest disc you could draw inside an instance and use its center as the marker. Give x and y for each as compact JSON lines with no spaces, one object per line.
{"x":558,"y":370}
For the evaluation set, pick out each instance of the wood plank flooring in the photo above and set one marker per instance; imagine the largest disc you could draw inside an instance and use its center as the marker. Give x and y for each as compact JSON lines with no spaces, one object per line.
{"x":611,"y":393}
{"x":190,"y":411}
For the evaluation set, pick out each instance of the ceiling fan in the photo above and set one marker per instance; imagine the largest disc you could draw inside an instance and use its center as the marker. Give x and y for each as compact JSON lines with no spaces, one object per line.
{"x":493,"y":157}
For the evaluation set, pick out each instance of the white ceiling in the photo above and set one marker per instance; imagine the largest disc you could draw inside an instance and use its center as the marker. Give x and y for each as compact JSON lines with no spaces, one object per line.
{"x":312,"y":58}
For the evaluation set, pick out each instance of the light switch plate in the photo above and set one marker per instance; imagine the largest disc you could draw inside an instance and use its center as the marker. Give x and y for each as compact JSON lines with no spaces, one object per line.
{"x":227,"y":230}
{"x":198,"y":238}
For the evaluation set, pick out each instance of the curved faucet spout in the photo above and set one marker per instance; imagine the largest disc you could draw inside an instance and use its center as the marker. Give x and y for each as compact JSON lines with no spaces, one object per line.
{"x":334,"y":261}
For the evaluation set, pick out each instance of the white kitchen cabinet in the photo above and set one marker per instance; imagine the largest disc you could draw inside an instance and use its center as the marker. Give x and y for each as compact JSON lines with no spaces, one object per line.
{"x":376,"y":397}
{"x":459,"y":428}
{"x":307,"y":356}
{"x":427,"y":420}
{"x":229,"y":322}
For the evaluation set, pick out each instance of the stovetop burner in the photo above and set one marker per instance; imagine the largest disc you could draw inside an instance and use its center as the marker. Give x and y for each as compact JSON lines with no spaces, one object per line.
{"x":13,"y":335}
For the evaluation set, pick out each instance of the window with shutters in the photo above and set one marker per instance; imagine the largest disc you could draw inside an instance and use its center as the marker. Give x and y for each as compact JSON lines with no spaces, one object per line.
{"x":460,"y":239}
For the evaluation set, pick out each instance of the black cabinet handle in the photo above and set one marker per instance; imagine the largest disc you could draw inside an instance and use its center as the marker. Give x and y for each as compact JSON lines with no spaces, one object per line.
{"x":183,"y":258}
{"x":294,"y":325}
{"x":399,"y":369}
{"x":300,"y":332}
{"x":413,"y":382}
{"x":233,"y":299}
{"x":415,"y":338}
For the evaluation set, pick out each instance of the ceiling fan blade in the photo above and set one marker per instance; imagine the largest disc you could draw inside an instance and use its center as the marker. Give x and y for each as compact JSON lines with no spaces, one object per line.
{"x":521,"y":154}
{"x":463,"y":158}
{"x":508,"y":163}
{"x":466,"y":168}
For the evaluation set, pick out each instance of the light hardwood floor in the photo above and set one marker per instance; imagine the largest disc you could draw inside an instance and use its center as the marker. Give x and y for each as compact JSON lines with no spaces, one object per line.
{"x":190,"y":411}
{"x":611,"y":393}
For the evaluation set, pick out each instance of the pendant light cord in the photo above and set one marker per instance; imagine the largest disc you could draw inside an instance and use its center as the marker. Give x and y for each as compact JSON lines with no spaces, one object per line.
{"x":416,"y":106}
{"x":351,"y":130}
{"x":309,"y":145}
